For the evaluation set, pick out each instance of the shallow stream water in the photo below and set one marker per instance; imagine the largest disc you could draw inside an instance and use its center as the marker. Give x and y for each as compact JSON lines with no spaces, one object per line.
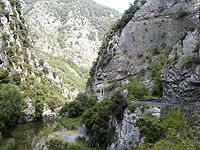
{"x":31,"y":136}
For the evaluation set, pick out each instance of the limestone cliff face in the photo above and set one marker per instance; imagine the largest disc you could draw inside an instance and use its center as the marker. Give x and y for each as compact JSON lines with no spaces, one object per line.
{"x":156,"y":26}
{"x":17,"y":53}
{"x":163,"y":35}
{"x":127,"y":132}
{"x":18,"y":63}
{"x":181,"y":74}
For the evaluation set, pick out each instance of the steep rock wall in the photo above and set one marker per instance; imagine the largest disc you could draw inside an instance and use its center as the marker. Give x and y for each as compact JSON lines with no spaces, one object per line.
{"x":155,"y":26}
{"x":127,"y":132}
{"x":181,"y":74}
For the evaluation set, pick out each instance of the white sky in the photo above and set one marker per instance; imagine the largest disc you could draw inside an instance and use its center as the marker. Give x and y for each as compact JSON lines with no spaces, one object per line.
{"x":120,"y":5}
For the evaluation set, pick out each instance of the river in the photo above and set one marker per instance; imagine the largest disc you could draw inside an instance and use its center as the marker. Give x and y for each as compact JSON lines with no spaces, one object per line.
{"x":31,"y":136}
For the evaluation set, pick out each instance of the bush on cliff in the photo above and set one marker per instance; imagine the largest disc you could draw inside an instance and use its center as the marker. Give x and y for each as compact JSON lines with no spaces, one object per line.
{"x":150,"y":127}
{"x":169,"y":132}
{"x":118,"y":105}
{"x":137,"y":90}
{"x":97,"y":119}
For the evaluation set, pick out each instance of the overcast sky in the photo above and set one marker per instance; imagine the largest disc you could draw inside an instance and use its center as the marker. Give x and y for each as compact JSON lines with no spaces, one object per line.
{"x":120,"y":5}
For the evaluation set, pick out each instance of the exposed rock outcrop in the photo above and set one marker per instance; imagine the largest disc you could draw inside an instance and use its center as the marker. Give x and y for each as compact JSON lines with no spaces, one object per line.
{"x":162,"y":34}
{"x":127,"y":132}
{"x":156,"y":26}
{"x":181,"y":74}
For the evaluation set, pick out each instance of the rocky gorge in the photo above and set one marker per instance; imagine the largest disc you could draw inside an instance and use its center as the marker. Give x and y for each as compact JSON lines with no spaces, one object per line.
{"x":143,"y":90}
{"x":25,"y":57}
{"x":67,"y":35}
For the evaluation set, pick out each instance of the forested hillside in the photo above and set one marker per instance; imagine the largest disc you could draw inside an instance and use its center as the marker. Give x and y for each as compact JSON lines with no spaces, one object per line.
{"x":28,"y":85}
{"x":67,"y":34}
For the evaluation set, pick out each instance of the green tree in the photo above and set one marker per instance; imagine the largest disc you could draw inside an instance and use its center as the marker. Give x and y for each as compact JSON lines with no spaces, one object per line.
{"x":118,"y":105}
{"x":75,"y":109}
{"x":10,"y":104}
{"x":155,"y":74}
{"x":137,"y":90}
{"x":16,"y":78}
{"x":79,"y":105}
{"x":151,"y":127}
{"x":97,"y":124}
{"x":4,"y":77}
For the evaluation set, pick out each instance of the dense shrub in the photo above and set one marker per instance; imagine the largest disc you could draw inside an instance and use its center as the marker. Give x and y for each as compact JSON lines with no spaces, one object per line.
{"x":10,"y":145}
{"x":155,"y":51}
{"x":79,"y":105}
{"x":178,"y":135}
{"x":41,"y":93}
{"x":169,"y":132}
{"x":174,"y":120}
{"x":4,"y":77}
{"x":132,"y":107}
{"x":10,"y":104}
{"x":150,"y":127}
{"x":155,"y":73}
{"x":118,"y":105}
{"x":97,"y":120}
{"x":180,"y":14}
{"x":75,"y":109}
{"x":16,"y":78}
{"x":137,"y":90}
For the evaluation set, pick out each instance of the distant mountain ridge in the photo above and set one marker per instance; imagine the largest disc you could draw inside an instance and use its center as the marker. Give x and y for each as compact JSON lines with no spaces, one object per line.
{"x":67,"y":34}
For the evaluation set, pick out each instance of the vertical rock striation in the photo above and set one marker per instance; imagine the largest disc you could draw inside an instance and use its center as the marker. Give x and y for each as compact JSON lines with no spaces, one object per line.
{"x":181,"y":74}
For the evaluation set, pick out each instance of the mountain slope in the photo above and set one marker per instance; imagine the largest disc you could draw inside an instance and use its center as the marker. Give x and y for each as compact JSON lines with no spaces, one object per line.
{"x":67,"y":34}
{"x":28,"y":85}
{"x":139,"y":45}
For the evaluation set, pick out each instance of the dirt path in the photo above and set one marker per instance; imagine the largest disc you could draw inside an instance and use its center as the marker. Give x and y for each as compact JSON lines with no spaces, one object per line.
{"x":68,"y":136}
